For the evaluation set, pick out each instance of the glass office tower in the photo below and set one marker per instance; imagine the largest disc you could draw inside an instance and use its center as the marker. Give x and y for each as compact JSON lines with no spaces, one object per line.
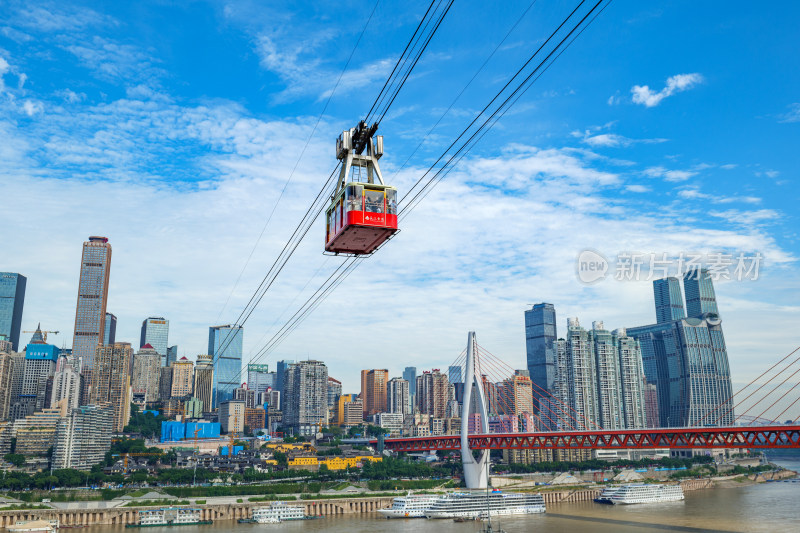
{"x":12,"y":299}
{"x":225,"y":345}
{"x":90,"y":312}
{"x":540,"y":344}
{"x":155,"y":332}
{"x":700,"y":297}
{"x":669,"y":300}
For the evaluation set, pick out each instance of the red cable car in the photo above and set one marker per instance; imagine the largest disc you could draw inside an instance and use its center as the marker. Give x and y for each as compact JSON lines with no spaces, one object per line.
{"x":362,"y":214}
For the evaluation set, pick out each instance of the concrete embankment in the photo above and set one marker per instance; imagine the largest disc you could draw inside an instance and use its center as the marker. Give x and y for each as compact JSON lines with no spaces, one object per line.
{"x":231,"y":511}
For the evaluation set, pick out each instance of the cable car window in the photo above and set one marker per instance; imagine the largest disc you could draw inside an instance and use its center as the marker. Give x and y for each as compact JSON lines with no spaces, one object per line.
{"x":354,"y":198}
{"x":374,"y":201}
{"x":391,"y":202}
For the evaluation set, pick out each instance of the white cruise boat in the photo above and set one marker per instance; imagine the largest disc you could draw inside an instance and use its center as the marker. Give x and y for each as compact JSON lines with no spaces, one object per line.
{"x":645,"y":493}
{"x":278,"y":512}
{"x":474,"y":504}
{"x":409,"y":506}
{"x":606,"y":494}
{"x":169,"y":516}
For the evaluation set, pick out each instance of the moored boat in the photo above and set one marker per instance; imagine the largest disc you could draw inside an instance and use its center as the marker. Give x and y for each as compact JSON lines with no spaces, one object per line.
{"x":409,"y":506}
{"x":646,"y":493}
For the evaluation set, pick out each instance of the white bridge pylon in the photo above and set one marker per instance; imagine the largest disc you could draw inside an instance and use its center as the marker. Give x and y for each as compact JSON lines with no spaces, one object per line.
{"x":476,"y":471}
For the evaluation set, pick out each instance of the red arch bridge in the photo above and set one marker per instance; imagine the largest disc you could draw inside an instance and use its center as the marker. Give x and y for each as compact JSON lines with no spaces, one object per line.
{"x":677,"y":438}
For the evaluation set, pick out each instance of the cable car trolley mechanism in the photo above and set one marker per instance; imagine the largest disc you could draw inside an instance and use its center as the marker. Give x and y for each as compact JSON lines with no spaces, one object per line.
{"x":363,"y":212}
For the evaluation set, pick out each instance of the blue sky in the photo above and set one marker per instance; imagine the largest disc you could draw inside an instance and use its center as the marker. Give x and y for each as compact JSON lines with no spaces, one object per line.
{"x":172,"y":127}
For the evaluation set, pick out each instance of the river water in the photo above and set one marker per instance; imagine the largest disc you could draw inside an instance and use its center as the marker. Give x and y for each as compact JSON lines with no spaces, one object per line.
{"x":768,"y":507}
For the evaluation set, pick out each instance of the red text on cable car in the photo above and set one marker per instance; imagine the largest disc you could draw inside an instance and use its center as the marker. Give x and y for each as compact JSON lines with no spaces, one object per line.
{"x":363,"y":213}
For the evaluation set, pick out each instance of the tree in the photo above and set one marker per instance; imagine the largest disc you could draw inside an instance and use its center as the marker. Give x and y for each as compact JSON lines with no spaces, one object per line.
{"x":15,"y":459}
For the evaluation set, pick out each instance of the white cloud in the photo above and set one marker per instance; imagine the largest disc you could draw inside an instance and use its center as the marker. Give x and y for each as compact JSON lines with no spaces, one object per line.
{"x":747,"y":218}
{"x":30,"y":107}
{"x":298,"y":65}
{"x":792,"y":115}
{"x":642,"y":94}
{"x":693,"y":193}
{"x":670,"y":175}
{"x":71,"y":96}
{"x":116,"y":62}
{"x":614,"y":140}
{"x":4,"y":68}
{"x":637,"y":188}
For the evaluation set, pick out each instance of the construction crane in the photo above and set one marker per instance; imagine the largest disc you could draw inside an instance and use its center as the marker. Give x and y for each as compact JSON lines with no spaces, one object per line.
{"x":43,"y":332}
{"x":126,"y":455}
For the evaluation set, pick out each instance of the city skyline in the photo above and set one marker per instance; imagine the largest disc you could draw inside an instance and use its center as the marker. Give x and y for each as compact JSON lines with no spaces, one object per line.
{"x":649,"y":154}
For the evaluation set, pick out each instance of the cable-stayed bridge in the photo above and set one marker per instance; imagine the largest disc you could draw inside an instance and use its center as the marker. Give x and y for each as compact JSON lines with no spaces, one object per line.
{"x":573,"y":431}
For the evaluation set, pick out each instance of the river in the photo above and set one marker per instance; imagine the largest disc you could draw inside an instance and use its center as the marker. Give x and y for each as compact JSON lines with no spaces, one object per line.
{"x":767,"y":507}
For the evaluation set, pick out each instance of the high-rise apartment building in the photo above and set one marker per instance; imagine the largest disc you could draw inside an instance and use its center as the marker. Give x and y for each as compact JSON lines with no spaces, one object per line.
{"x":155,"y":332}
{"x":6,"y":382}
{"x":632,"y":381}
{"x":90,"y":312}
{"x":12,"y":301}
{"x":66,"y":384}
{"x":204,"y":380}
{"x":225,"y":344}
{"x":669,"y":300}
{"x":83,"y":437}
{"x":651,"y":405}
{"x":352,"y":411}
{"x":231,"y":416}
{"x":398,"y":396}
{"x":410,"y":375}
{"x":110,"y":329}
{"x":334,"y":391}
{"x":520,"y":394}
{"x":165,"y":383}
{"x":146,"y":373}
{"x":432,"y":393}
{"x":540,"y":345}
{"x":609,"y":402}
{"x":111,"y":381}
{"x":700,"y":296}
{"x":182,"y":378}
{"x":687,"y":361}
{"x":305,"y":397}
{"x":583,"y":388}
{"x":373,"y":390}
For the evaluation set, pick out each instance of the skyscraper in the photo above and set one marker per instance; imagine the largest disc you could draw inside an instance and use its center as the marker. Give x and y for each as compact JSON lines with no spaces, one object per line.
{"x":609,"y":403}
{"x":66,"y":385}
{"x":225,"y":344}
{"x":40,"y":363}
{"x":111,"y":381}
{"x":146,"y":373}
{"x":259,"y":378}
{"x":410,"y":375}
{"x":172,"y":354}
{"x":90,"y":312}
{"x":110,"y":330}
{"x":182,"y":378}
{"x":540,"y":344}
{"x":155,"y":332}
{"x":583,"y":389}
{"x":306,"y":402}
{"x":700,"y":296}
{"x":334,"y":391}
{"x":669,"y":300}
{"x":280,"y":378}
{"x":373,"y":390}
{"x":687,"y":361}
{"x":398,"y":396}
{"x":432,"y":393}
{"x":12,"y":300}
{"x":204,"y":380}
{"x":631,"y":376}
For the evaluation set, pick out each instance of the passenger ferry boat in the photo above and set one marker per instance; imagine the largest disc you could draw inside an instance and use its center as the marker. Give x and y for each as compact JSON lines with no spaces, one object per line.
{"x":277,"y":513}
{"x":475,"y":505}
{"x":645,"y":493}
{"x":169,"y":516}
{"x":409,"y":506}
{"x":606,"y":494}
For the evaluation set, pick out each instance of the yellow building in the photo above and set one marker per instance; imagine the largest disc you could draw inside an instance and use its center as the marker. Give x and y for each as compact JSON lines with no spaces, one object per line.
{"x":182,"y":374}
{"x":332,"y":463}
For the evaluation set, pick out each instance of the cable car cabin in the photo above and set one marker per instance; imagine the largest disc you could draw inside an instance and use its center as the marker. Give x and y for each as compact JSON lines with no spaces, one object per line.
{"x":360,"y":218}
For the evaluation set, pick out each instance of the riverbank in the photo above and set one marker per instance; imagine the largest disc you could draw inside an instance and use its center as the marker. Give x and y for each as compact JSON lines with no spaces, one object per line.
{"x":124,"y":512}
